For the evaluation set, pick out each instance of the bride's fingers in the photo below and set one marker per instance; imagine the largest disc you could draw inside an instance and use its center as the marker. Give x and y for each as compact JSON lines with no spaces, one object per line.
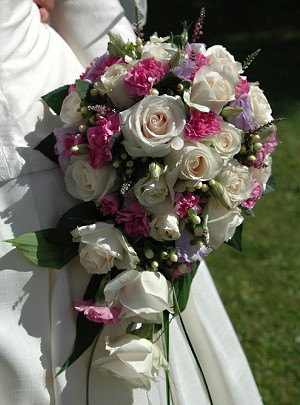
{"x":45,"y":7}
{"x":47,"y":4}
{"x":44,"y":13}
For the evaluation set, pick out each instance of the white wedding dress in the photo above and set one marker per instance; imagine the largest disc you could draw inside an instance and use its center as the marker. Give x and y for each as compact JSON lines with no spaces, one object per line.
{"x":37,"y":326}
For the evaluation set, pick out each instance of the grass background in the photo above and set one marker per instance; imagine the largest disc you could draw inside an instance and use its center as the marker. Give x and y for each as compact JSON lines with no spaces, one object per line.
{"x":260,"y":286}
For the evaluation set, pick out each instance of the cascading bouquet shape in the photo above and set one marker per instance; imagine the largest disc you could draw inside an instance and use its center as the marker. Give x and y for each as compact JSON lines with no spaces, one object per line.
{"x":167,"y":146}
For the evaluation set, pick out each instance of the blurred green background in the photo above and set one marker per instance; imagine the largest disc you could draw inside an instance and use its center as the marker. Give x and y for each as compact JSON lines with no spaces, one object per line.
{"x":260,"y":286}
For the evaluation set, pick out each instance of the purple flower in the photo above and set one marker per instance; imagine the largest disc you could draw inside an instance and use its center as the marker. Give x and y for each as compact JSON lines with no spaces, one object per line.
{"x":245,"y":120}
{"x":187,"y":252}
{"x":185,"y":69}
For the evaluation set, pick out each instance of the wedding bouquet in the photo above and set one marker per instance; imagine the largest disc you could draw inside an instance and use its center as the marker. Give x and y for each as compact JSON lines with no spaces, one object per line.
{"x":168,"y":146}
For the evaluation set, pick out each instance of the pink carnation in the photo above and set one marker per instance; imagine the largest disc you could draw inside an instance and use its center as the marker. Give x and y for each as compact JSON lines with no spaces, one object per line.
{"x":140,"y":79}
{"x":99,"y":139}
{"x":179,"y":270}
{"x":109,"y":204}
{"x":70,"y":142}
{"x":100,"y":314}
{"x":267,"y":148}
{"x":242,"y":88}
{"x":202,"y":124}
{"x":136,"y":220}
{"x":254,"y":196}
{"x":183,"y":202}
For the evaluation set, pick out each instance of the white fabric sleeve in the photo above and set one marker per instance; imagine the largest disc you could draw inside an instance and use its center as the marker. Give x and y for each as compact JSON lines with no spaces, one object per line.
{"x":84,"y":26}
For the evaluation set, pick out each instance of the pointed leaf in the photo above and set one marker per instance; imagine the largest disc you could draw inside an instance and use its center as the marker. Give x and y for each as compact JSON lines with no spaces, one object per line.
{"x":36,"y":247}
{"x":82,"y":88}
{"x":55,"y":98}
{"x":86,"y":331}
{"x":46,"y":146}
{"x":236,"y":240}
{"x":81,"y":214}
{"x":182,"y":287}
{"x":270,"y":186}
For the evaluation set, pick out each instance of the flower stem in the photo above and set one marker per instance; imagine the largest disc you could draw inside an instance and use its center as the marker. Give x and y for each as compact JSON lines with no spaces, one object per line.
{"x":196,"y":359}
{"x":192,"y":349}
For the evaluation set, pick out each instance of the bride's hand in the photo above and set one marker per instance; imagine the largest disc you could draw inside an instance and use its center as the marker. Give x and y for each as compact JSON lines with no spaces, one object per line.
{"x":45,"y":6}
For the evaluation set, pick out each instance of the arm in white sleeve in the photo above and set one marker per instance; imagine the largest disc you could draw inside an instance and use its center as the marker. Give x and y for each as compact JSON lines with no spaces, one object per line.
{"x":84,"y":25}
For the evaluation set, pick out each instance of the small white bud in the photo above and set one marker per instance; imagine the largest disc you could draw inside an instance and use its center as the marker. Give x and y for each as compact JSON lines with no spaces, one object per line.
{"x":257,"y":146}
{"x":164,"y":255}
{"x":83,"y":128}
{"x":116,"y":164}
{"x":154,"y":92}
{"x":149,"y":254}
{"x":196,"y":220}
{"x":130,"y":163}
{"x":251,"y":158}
{"x":154,"y":265}
{"x":93,"y":92}
{"x":174,"y":257}
{"x":255,"y":138}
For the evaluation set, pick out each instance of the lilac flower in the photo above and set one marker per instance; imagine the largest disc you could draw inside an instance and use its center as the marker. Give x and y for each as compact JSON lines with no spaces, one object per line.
{"x":189,"y":253}
{"x":244,"y":120}
{"x":185,"y":69}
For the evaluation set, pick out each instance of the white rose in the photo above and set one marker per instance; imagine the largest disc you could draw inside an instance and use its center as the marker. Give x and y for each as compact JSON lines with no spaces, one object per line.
{"x":103,"y":246}
{"x":158,"y":50}
{"x":113,"y":83}
{"x":218,"y":53}
{"x":165,"y":227}
{"x":69,"y":113}
{"x":157,"y":196}
{"x":263,"y":173}
{"x":195,"y":163}
{"x":228,"y":142}
{"x":86,"y":183}
{"x":237,"y":180}
{"x":133,"y":359}
{"x":213,"y":87}
{"x":154,"y":126}
{"x":222,"y":223}
{"x":260,"y":106}
{"x":143,"y":295}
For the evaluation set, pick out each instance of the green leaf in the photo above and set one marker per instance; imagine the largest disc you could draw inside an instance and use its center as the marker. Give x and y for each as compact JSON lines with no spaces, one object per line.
{"x":182,"y":287}
{"x":46,"y":146}
{"x":248,"y":211}
{"x":84,"y":213}
{"x":270,"y":186}
{"x":236,"y":240}
{"x":86,"y":331}
{"x":168,"y":84}
{"x":82,"y":88}
{"x":36,"y":247}
{"x":55,"y":98}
